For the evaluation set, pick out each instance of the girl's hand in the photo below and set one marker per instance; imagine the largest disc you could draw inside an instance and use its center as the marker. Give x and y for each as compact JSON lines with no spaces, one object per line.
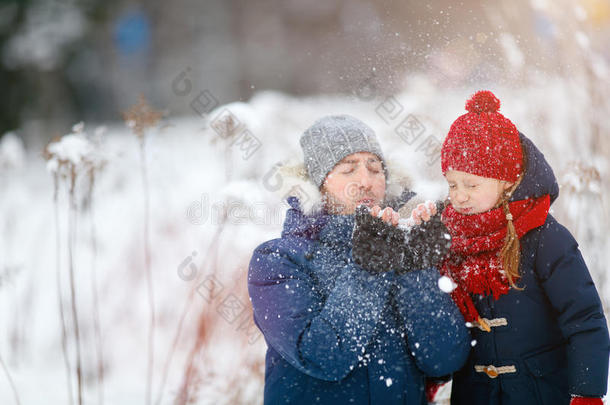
{"x":423,"y":212}
{"x":427,"y":242}
{"x":388,"y":215}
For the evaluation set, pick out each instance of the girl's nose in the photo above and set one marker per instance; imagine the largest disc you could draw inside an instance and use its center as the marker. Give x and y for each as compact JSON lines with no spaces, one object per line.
{"x":460,"y":196}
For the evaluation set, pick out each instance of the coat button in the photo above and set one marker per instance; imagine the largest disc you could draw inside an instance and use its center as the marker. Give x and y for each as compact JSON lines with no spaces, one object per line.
{"x":491,"y":371}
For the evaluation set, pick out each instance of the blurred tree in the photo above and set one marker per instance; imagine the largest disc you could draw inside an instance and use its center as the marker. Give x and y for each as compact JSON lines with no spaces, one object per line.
{"x":12,"y":14}
{"x":40,"y":43}
{"x":92,"y":59}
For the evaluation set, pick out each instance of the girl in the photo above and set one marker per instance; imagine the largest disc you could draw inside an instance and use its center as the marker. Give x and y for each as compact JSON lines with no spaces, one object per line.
{"x":537,"y":321}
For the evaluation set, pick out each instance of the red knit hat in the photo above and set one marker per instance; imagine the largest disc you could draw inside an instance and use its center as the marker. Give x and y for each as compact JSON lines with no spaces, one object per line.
{"x":483,"y":142}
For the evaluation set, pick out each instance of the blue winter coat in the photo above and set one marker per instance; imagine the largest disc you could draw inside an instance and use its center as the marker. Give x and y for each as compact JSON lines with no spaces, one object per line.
{"x":555,"y":334}
{"x":339,"y":335}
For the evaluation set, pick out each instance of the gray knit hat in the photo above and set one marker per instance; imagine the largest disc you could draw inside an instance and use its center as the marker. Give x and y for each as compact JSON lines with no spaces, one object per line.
{"x":332,"y":138}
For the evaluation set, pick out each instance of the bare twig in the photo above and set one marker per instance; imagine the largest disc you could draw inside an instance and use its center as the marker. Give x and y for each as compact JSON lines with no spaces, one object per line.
{"x":140,"y":117}
{"x":96,"y":312}
{"x":71,"y":228}
{"x":187,"y":306}
{"x":149,"y":281}
{"x":10,"y":381}
{"x":64,"y":337}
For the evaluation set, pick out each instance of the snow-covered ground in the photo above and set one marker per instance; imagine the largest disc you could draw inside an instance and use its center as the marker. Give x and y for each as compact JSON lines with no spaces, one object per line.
{"x":213,"y":197}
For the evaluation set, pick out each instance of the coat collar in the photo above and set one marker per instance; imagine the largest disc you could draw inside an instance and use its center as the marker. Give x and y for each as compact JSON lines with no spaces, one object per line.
{"x":328,"y":228}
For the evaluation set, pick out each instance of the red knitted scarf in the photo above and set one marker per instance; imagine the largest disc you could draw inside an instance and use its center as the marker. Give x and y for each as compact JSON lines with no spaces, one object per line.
{"x":474,"y":261}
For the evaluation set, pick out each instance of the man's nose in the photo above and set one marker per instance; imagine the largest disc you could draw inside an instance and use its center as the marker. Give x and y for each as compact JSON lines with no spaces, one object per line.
{"x":365,"y":178}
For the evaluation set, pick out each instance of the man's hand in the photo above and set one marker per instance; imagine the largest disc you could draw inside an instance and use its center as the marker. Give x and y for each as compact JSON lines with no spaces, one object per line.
{"x":388,"y":215}
{"x":377,"y":246}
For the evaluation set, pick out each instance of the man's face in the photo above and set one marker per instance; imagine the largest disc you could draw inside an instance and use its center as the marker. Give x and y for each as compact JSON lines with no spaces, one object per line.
{"x":357,"y":179}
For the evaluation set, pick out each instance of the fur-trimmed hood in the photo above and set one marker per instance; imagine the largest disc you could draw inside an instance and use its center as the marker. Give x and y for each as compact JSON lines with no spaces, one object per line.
{"x":539,"y":178}
{"x":292,"y":180}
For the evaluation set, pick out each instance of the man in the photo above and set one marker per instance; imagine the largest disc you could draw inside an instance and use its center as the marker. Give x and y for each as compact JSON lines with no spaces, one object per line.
{"x":341,"y":327}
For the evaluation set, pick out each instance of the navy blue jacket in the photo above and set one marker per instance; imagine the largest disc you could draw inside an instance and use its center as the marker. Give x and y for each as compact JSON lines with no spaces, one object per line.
{"x":339,"y":335}
{"x":555,"y":334}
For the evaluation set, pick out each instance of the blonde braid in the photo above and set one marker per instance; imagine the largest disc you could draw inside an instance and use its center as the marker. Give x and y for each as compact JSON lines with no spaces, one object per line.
{"x":511,"y":251}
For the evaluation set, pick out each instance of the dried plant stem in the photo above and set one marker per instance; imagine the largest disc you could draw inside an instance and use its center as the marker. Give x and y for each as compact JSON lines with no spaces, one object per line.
{"x":202,"y":327}
{"x":10,"y":381}
{"x":187,"y":306}
{"x":96,"y":312}
{"x":191,"y":372}
{"x":62,"y":317}
{"x":149,"y":281}
{"x":71,"y":228}
{"x":8,"y":375}
{"x":139,"y":117}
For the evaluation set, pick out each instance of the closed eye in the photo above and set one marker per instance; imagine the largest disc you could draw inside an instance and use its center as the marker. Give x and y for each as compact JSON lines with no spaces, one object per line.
{"x":374,"y":166}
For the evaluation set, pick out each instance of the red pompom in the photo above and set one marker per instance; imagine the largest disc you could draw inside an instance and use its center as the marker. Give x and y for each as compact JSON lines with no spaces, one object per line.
{"x":483,"y":101}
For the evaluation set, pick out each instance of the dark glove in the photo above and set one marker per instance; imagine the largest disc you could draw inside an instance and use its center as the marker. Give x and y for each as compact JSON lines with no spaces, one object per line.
{"x":426,"y":244}
{"x":376,"y":246}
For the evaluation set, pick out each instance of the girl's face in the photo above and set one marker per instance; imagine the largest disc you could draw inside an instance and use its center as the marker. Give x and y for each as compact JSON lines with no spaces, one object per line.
{"x":357,"y":179}
{"x":472,"y":194}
